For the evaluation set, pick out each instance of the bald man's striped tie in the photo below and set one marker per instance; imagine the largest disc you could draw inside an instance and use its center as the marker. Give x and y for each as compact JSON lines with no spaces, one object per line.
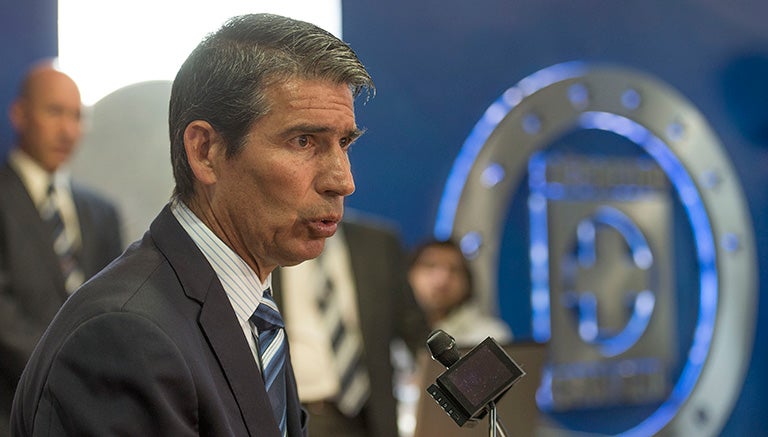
{"x":62,"y":244}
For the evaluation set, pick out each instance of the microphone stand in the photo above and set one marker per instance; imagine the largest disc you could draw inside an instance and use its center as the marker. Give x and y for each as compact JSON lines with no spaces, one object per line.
{"x":495,"y":427}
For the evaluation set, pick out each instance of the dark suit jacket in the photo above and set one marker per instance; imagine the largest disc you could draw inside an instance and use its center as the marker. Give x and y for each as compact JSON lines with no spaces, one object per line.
{"x":149,"y":347}
{"x":386,"y":308}
{"x":31,"y":282}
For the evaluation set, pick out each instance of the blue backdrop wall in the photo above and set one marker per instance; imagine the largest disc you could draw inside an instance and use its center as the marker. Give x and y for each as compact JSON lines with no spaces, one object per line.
{"x":28,"y":31}
{"x":439,"y":64}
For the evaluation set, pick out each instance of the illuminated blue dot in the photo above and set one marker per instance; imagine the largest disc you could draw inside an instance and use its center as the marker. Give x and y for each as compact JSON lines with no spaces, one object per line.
{"x":643,"y":258}
{"x":711,"y":179}
{"x":470,"y":244}
{"x":731,"y":242}
{"x":588,"y":330}
{"x":531,"y":124}
{"x":645,"y":303}
{"x":539,"y":253}
{"x":495,"y":113}
{"x":540,"y":298}
{"x":513,"y":96}
{"x":675,"y":131}
{"x":578,"y":95}
{"x":630,"y":99}
{"x":537,"y":203}
{"x":492,"y":175}
{"x":586,"y":231}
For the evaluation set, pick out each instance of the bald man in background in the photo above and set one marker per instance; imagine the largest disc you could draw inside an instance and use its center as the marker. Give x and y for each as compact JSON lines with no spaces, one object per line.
{"x":54,"y":233}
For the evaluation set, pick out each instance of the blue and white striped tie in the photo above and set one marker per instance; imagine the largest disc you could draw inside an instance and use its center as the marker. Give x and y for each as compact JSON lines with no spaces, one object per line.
{"x":272,"y":350}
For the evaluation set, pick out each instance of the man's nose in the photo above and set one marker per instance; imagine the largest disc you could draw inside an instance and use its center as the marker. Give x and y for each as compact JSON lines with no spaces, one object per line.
{"x":71,"y":128}
{"x":338,"y":177}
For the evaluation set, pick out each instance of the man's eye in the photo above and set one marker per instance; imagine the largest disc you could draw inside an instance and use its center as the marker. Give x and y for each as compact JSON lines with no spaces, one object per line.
{"x":54,"y":111}
{"x":302,"y":140}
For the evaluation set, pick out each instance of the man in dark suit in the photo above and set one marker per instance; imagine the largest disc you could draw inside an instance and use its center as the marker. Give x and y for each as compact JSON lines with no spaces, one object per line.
{"x":365,"y":264}
{"x":180,"y":336}
{"x":40,"y":266}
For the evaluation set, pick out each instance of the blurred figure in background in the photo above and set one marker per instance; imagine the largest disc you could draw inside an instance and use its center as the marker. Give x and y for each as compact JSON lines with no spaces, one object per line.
{"x":342,"y":338}
{"x":54,"y":233}
{"x":441,"y":280}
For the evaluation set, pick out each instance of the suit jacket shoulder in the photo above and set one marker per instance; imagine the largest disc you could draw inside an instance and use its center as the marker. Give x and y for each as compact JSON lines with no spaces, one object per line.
{"x":156,"y":334}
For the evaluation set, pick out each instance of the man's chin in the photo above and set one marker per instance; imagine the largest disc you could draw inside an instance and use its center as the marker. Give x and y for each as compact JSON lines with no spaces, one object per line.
{"x":311,"y":251}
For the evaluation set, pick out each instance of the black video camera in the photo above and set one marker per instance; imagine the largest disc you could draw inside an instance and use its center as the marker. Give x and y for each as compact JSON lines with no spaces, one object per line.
{"x":478,"y":378}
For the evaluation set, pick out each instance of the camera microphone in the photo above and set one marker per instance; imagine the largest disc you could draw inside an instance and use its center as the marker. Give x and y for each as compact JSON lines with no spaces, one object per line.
{"x":443,"y":348}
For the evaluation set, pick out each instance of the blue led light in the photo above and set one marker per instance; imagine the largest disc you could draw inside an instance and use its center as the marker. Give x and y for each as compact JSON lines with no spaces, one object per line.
{"x":731,"y":242}
{"x":578,"y":95}
{"x":588,"y":327}
{"x":492,"y":175}
{"x":675,"y":131}
{"x":630,"y":99}
{"x":531,"y":124}
{"x":711,"y":179}
{"x":470,"y":244}
{"x":585,"y":234}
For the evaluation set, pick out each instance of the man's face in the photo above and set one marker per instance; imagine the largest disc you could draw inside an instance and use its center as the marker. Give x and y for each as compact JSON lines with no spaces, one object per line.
{"x":438,"y":280}
{"x":282,"y":196}
{"x":47,"y":119}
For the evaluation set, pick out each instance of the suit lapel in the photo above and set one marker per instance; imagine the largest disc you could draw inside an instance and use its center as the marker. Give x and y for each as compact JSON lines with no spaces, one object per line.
{"x":218,"y":322}
{"x":237,"y":362}
{"x":360,"y":262}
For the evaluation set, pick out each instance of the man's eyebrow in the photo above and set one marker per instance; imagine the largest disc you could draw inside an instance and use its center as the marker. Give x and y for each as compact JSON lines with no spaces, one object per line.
{"x":316,"y":129}
{"x":356,"y":133}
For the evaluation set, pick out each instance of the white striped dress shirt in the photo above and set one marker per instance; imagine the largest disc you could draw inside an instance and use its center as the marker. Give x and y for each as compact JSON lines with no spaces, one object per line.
{"x":240,"y":282}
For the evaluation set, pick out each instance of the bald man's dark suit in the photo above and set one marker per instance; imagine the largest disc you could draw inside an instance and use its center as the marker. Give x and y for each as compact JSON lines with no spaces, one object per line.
{"x":31,"y":282}
{"x":150,"y":346}
{"x":386,"y":310}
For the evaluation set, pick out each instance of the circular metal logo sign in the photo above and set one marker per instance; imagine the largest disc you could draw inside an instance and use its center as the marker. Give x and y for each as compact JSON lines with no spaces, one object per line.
{"x":603,"y":243}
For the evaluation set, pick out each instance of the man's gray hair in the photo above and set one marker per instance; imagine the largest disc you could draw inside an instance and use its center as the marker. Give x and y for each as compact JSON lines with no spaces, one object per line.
{"x":225,"y":79}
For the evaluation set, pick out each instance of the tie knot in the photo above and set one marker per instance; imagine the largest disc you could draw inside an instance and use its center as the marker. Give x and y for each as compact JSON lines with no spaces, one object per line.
{"x":266,"y":316}
{"x":48,"y":207}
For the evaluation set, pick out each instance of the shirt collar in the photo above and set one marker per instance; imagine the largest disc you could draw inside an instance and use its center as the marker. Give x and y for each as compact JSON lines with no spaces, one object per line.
{"x":240,"y":282}
{"x":34,"y":177}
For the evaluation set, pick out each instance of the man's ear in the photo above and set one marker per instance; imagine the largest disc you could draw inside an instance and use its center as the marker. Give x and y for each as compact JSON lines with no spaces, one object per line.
{"x":203,"y":145}
{"x":16,"y":114}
